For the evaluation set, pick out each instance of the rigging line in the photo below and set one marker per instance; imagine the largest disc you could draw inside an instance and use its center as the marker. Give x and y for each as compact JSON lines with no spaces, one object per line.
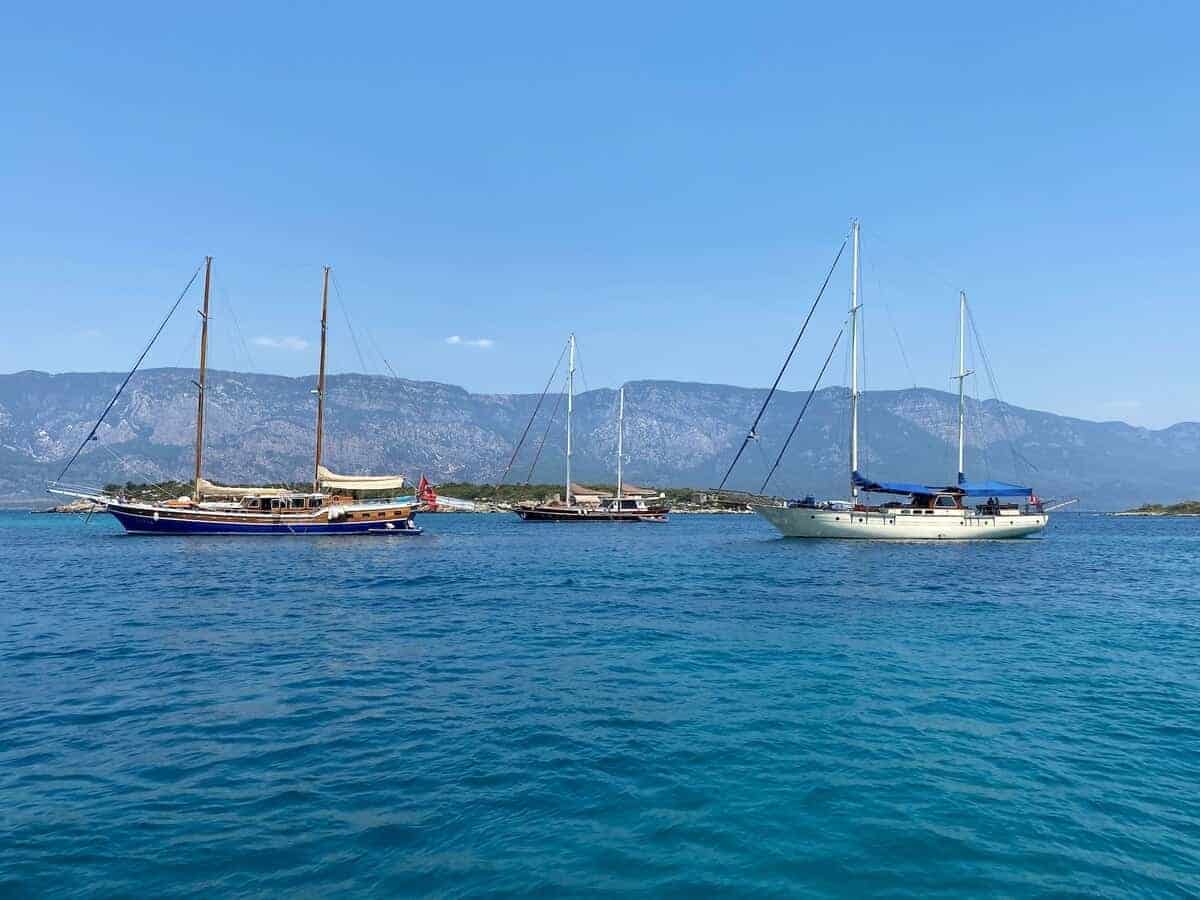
{"x":803,"y":410}
{"x":864,"y":380}
{"x":529,"y":424}
{"x":579,"y":368}
{"x":951,"y":408}
{"x":370,"y":335}
{"x":346,"y":314}
{"x":111,"y":403}
{"x":947,"y":279}
{"x":1001,"y":406}
{"x":154,"y":481}
{"x":900,"y":344}
{"x":545,"y":434}
{"x":753,"y":433}
{"x":387,"y":365}
{"x":237,"y":327}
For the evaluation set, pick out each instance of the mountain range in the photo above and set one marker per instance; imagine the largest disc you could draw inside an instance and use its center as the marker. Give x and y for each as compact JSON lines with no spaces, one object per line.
{"x":260,"y":430}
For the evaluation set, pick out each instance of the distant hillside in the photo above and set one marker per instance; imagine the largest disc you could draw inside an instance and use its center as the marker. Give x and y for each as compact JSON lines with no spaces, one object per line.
{"x":260,"y":428}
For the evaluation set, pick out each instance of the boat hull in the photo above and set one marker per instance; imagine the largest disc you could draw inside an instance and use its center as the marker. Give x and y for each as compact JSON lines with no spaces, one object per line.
{"x":806,"y":522}
{"x":541,"y":514}
{"x":146,"y":521}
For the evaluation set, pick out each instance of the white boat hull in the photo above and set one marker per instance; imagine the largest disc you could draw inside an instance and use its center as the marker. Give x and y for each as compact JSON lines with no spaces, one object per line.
{"x":892,"y":525}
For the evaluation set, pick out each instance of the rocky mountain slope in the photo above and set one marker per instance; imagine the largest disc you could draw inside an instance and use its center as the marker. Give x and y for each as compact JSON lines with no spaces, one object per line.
{"x":260,"y":429}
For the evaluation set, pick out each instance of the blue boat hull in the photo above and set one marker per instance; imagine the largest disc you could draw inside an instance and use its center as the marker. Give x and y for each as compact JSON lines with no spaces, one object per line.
{"x":138,"y":523}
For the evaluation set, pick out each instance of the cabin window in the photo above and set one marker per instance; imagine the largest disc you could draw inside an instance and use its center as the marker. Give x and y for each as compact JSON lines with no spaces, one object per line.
{"x":251,"y":503}
{"x":946,"y":502}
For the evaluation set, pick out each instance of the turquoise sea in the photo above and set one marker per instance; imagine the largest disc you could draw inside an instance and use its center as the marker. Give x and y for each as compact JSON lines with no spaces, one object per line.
{"x":693,"y":709}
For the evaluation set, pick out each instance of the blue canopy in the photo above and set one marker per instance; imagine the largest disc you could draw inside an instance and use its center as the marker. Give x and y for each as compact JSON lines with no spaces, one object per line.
{"x":974,"y":488}
{"x":892,"y":487}
{"x":994,"y":489}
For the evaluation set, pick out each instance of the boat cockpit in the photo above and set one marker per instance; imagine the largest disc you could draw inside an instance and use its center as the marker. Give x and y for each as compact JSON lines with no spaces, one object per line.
{"x":286,"y":503}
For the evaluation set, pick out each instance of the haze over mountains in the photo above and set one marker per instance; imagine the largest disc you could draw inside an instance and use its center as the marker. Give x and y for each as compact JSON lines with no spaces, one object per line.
{"x":260,"y":430}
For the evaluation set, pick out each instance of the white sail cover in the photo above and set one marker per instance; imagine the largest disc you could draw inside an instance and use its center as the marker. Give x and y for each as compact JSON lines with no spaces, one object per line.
{"x":208,"y":489}
{"x":337,"y":482}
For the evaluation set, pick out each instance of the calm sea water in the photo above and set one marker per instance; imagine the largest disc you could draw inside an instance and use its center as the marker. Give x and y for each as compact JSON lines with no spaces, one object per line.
{"x":693,"y":709}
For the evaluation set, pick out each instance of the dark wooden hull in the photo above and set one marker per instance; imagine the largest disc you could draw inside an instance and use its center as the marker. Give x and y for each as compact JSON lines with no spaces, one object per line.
{"x":579,"y":514}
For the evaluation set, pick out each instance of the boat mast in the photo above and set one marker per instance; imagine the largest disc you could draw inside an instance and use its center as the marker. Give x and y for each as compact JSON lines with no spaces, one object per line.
{"x":854,"y":307}
{"x":321,"y":381}
{"x":962,"y":380}
{"x":200,"y":383}
{"x":620,"y":440}
{"x":570,"y":408}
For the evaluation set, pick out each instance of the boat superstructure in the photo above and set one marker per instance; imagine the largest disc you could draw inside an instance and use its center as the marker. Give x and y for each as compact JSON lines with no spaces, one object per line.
{"x":335,"y":505}
{"x":581,"y":504}
{"x":928,"y":512}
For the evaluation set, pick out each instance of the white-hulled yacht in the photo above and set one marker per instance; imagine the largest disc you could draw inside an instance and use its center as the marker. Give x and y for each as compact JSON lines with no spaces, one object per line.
{"x":928,"y":512}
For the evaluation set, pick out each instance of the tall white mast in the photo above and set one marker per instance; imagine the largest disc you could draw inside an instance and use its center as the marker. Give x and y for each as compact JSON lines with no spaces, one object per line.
{"x":570,"y":408}
{"x":620,"y":440}
{"x":854,"y":305}
{"x":962,"y":380}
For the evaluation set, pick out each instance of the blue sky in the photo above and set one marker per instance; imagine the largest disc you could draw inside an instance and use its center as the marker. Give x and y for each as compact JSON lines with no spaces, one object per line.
{"x":669,"y":181}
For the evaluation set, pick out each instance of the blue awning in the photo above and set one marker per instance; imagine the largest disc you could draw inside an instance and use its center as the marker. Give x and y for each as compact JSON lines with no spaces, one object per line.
{"x":994,"y":489}
{"x":973,"y":488}
{"x":892,"y":487}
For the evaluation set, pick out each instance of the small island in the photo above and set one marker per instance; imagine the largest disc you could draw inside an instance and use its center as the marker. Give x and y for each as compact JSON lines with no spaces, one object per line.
{"x":1183,"y":508}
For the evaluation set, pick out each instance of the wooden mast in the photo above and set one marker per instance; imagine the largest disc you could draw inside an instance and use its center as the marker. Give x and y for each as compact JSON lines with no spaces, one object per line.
{"x":321,"y":381}
{"x":200,"y":383}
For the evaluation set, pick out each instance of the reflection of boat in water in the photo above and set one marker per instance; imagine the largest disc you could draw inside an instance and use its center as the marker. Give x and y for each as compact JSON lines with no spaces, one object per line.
{"x":336,"y":504}
{"x":581,"y":504}
{"x":930,"y":512}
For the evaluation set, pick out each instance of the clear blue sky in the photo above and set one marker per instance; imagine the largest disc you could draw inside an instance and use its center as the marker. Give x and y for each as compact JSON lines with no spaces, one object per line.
{"x":670,"y":181}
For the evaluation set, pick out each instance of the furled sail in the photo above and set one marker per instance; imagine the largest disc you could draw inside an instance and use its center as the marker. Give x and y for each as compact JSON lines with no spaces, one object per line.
{"x":337,"y":482}
{"x":208,"y":489}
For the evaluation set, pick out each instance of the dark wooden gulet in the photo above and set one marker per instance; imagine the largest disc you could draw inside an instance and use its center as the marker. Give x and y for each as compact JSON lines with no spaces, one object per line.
{"x":586,"y":505}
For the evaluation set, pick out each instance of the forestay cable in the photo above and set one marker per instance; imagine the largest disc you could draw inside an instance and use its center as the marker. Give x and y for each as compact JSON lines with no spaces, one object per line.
{"x":553,"y":415}
{"x":529,"y":424}
{"x":803,"y":410}
{"x":753,"y":433}
{"x":111,"y":403}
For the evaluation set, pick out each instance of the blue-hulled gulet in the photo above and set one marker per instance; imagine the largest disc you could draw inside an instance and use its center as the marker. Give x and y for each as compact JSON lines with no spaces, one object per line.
{"x":333,"y":506}
{"x":930,"y":512}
